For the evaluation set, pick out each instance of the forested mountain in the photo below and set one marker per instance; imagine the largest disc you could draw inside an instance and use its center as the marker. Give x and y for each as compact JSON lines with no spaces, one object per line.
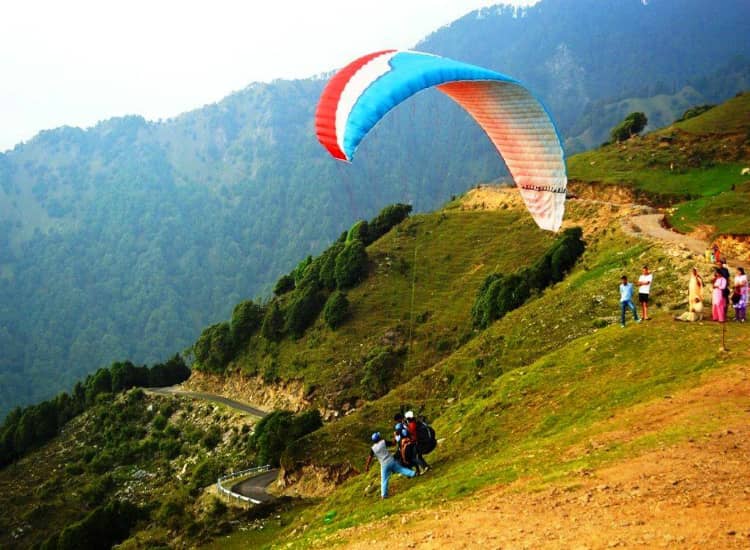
{"x":126,"y":239}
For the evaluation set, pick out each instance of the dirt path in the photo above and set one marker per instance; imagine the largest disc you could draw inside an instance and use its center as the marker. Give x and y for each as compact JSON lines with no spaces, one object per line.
{"x":242,"y":407}
{"x":650,"y":225}
{"x":691,"y":494}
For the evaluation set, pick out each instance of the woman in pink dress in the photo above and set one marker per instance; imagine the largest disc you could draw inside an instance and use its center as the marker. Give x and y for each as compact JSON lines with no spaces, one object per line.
{"x":718,"y":312}
{"x":740,"y":288}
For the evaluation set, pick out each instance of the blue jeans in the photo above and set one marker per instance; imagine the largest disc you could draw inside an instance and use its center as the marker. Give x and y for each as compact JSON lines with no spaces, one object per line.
{"x":627,"y":305}
{"x":389,"y":467}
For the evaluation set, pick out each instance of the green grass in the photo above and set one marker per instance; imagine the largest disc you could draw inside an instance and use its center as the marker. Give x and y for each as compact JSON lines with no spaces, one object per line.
{"x":728,"y":212}
{"x":525,"y":397}
{"x":730,"y":117}
{"x":542,"y":422}
{"x":454,"y":251}
{"x":648,"y":173}
{"x":700,"y":157}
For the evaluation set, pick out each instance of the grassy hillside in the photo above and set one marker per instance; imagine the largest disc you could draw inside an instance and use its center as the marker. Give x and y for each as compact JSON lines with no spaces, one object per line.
{"x":554,"y":388}
{"x":157,"y":453}
{"x":702,"y":156}
{"x":695,"y":165}
{"x":423,"y":278}
{"x":550,"y":390}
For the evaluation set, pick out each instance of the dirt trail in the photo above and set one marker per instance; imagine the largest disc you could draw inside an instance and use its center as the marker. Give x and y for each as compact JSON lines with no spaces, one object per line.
{"x":691,"y":494}
{"x":650,"y":225}
{"x":632,"y":216}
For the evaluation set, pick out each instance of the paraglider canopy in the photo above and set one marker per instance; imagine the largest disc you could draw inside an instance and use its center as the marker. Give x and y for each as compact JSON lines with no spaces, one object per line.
{"x":360,"y":94}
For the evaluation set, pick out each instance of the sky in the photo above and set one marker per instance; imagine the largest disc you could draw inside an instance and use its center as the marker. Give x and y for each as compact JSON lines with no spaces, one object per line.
{"x":76,"y":62}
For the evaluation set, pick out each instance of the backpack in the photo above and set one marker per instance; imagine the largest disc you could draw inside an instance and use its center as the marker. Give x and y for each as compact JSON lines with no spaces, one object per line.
{"x":426,"y":439}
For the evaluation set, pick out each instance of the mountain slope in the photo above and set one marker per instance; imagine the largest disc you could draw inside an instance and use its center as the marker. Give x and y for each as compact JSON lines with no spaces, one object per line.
{"x":696,"y":164}
{"x":554,"y":391}
{"x":126,"y":239}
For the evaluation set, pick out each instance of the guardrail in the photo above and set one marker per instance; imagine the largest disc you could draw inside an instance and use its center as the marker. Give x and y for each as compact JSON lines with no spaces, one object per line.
{"x":236,"y":475}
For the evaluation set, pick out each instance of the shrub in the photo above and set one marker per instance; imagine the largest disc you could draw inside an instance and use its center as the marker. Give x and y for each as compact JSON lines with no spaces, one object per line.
{"x":96,"y":492}
{"x":693,"y":112}
{"x":351,"y":264}
{"x":206,"y":473}
{"x":388,"y":217}
{"x":172,"y":513}
{"x":172,"y":372}
{"x":214,"y":349}
{"x":633,"y":124}
{"x":125,"y":375}
{"x":273,"y":323}
{"x":327,"y":274}
{"x":501,"y":294}
{"x":98,"y":383}
{"x":300,"y":270}
{"x":485,"y":309}
{"x":359,"y":231}
{"x":271,"y":371}
{"x":275,"y":433}
{"x":336,"y":309}
{"x":212,"y":438}
{"x":271,"y":437}
{"x":247,"y":317}
{"x":303,"y":310}
{"x":283,"y":285}
{"x":378,"y":371}
{"x":102,"y":528}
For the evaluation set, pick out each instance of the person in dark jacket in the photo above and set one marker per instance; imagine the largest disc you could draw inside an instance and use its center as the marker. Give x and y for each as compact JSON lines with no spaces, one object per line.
{"x":727,"y":290}
{"x":418,"y":459}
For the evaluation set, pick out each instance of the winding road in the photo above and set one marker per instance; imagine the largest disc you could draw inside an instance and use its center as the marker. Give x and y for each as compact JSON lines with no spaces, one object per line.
{"x":237,"y":405}
{"x":254,"y":487}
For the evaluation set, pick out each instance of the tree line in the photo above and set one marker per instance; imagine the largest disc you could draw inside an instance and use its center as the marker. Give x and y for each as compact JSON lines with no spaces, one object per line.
{"x":26,"y":429}
{"x":501,"y":293}
{"x":315,"y":285}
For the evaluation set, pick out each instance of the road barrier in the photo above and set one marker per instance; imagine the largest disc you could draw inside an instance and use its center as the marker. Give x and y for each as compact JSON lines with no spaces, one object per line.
{"x":236,"y":475}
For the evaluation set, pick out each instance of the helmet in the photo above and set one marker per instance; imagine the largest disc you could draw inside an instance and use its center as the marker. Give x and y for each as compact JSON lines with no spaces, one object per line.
{"x":404,"y":432}
{"x":409,"y":414}
{"x":375,"y":437}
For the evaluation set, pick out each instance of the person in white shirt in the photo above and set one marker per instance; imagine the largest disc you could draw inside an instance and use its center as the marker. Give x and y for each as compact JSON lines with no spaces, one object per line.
{"x":644,"y":289}
{"x":388,"y":464}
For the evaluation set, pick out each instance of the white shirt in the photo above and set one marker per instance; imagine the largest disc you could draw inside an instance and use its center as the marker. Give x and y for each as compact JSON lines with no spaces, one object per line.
{"x":645,"y":289}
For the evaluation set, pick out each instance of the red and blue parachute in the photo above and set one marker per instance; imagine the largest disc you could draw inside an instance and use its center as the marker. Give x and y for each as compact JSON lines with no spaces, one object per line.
{"x":360,"y":94}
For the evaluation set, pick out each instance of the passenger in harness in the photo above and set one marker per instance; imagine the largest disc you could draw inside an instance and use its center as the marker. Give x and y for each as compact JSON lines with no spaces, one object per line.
{"x":418,"y":460}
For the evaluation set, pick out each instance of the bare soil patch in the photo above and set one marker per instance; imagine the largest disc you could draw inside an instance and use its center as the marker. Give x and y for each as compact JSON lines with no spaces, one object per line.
{"x":692,"y":494}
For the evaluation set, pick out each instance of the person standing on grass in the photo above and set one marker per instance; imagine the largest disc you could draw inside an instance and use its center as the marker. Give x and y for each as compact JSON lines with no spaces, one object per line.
{"x":388,"y":464}
{"x":418,"y":459}
{"x":718,"y":301}
{"x":644,"y":289}
{"x":724,"y":270}
{"x":695,"y":298}
{"x":626,"y":300}
{"x":742,"y":289}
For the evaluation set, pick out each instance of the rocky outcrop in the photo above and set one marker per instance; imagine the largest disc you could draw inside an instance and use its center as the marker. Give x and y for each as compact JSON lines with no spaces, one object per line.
{"x":735,"y":247}
{"x":313,"y":481}
{"x":615,"y":194}
{"x":289,"y":395}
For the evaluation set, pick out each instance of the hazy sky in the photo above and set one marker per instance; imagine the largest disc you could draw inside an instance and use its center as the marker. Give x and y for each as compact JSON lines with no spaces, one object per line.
{"x":76,"y":62}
